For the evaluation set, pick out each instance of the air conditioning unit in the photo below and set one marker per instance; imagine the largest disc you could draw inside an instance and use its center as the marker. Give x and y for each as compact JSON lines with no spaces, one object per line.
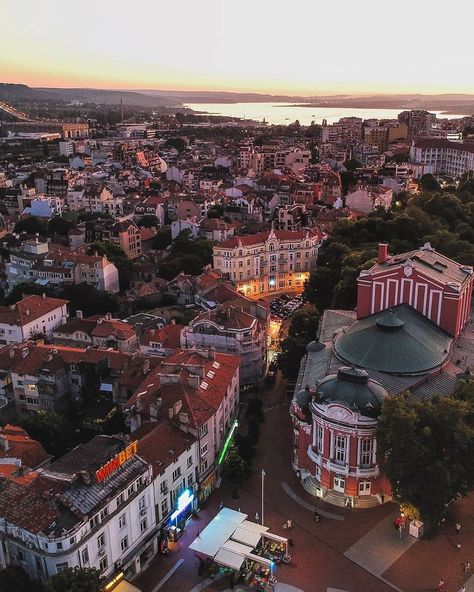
{"x":143,"y":512}
{"x":102,"y":551}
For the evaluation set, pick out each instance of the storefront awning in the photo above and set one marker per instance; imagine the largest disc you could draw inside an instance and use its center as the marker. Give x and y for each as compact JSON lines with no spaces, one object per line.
{"x":236,"y":547}
{"x":229,"y":559}
{"x":217,"y":532}
{"x":253,"y":526}
{"x":247,"y":537}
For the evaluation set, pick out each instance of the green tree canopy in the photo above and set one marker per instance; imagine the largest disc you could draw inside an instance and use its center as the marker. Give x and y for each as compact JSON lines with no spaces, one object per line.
{"x":77,"y":579}
{"x":236,"y":469}
{"x":59,"y":225}
{"x":118,"y":257}
{"x":428,"y":183}
{"x":148,"y":221}
{"x":427,"y":447}
{"x":52,"y":430}
{"x":15,"y":579}
{"x":32,"y":225}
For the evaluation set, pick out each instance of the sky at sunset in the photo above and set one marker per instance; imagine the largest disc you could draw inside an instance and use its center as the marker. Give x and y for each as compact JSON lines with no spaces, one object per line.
{"x":302,"y":47}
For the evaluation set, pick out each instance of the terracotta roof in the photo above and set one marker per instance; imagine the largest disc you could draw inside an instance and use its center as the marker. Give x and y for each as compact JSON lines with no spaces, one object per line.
{"x":161,"y":444}
{"x":107,"y":327}
{"x":430,"y":263}
{"x":17,"y":444}
{"x":443,"y":143}
{"x":29,"y":309}
{"x":147,"y":233}
{"x":229,"y":318}
{"x":169,"y":336}
{"x":262,"y":237}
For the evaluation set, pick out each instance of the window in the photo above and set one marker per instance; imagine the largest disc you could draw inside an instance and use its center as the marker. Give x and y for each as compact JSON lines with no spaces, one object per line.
{"x":21,"y":556}
{"x":141,"y":502}
{"x":366,"y":453}
{"x":100,"y":540}
{"x":59,"y":546}
{"x":190,"y":461}
{"x":124,"y":543}
{"x":61,"y":566}
{"x":120,"y":499}
{"x":164,"y":506}
{"x":104,"y":513}
{"x":72,"y":540}
{"x":163,"y":487}
{"x":340,"y":449}
{"x":85,"y":556}
{"x":176,"y":473}
{"x":204,"y":449}
{"x":122,"y":521}
{"x":94,"y":521}
{"x":190,"y":480}
{"x":143,"y":525}
{"x":130,"y":490}
{"x":103,"y":563}
{"x":319,"y":440}
{"x":203,"y":430}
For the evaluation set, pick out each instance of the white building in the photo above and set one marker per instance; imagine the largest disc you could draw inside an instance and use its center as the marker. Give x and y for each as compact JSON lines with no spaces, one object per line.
{"x":94,"y":507}
{"x":443,"y":156}
{"x":34,"y":315}
{"x":191,"y":224}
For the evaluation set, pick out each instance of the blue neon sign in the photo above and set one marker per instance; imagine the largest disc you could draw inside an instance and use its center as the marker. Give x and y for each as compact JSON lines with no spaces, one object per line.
{"x":183,"y":502}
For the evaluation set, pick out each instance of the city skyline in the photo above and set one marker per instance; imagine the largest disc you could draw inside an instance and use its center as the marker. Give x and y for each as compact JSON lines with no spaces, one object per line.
{"x":264,"y":47}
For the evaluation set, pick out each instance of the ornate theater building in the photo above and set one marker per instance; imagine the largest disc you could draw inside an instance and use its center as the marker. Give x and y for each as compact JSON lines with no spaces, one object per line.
{"x":412,"y":332}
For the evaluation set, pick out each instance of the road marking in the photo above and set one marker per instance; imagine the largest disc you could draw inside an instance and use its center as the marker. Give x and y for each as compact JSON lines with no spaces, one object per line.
{"x":203,"y":585}
{"x":167,"y":576}
{"x":299,"y":500}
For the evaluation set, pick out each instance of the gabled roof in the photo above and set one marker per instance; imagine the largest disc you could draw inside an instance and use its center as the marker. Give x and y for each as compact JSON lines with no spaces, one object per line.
{"x":262,"y":237}
{"x":18,"y":444}
{"x":30,"y":309}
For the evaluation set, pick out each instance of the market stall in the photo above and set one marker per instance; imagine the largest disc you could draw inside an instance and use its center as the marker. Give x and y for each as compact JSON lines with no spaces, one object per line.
{"x":249,"y":549}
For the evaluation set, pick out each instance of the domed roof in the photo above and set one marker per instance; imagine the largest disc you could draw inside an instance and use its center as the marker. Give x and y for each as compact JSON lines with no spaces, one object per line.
{"x":354,"y":389}
{"x":398,"y":341}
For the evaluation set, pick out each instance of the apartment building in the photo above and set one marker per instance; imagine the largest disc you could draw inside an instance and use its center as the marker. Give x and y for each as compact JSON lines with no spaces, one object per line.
{"x":230,"y":329}
{"x":268,"y":261}
{"x":348,"y":130}
{"x":33,"y":315}
{"x":418,"y":122}
{"x":32,"y":260}
{"x":443,"y":156}
{"x":93,"y":507}
{"x":199,"y":391}
{"x":125,"y":234}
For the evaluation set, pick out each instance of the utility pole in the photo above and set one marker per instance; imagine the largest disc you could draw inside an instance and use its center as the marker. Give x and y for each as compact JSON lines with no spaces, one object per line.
{"x":263,"y":496}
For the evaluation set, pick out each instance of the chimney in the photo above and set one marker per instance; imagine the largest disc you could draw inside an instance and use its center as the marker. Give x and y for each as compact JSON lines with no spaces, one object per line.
{"x":4,"y":444}
{"x":79,"y":314}
{"x":44,"y":294}
{"x":382,"y":253}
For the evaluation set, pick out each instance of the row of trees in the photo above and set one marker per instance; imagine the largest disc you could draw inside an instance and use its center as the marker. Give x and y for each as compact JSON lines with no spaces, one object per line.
{"x":187,"y":254}
{"x":15,"y":579}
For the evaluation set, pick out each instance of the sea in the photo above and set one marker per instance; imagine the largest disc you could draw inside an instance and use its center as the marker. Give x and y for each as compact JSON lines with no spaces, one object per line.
{"x":284,"y":113}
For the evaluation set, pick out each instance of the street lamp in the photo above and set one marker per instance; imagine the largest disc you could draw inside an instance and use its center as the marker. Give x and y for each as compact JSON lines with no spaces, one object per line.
{"x":263,"y":491}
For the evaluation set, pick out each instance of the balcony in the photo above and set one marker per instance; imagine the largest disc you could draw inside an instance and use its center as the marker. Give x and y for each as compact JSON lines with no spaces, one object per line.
{"x":314,"y":456}
{"x":336,"y":467}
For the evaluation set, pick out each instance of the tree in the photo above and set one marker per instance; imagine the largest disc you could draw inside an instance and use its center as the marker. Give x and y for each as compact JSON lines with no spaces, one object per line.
{"x":52,"y":430}
{"x":253,"y":431}
{"x":59,"y":225}
{"x":77,"y":579}
{"x":177,"y":143}
{"x":236,"y":470}
{"x":427,"y":447}
{"x":118,"y":257}
{"x":32,"y":225}
{"x":428,"y":183}
{"x":148,"y":221}
{"x":89,"y":300}
{"x":304,"y":323}
{"x":15,"y":579}
{"x":292,"y":350}
{"x":215,"y":211}
{"x":352,"y":164}
{"x":162,"y":238}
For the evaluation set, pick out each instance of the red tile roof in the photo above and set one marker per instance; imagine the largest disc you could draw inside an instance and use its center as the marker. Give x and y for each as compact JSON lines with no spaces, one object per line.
{"x":168,"y":335}
{"x":262,"y":237}
{"x":29,"y":309}
{"x":15,"y":443}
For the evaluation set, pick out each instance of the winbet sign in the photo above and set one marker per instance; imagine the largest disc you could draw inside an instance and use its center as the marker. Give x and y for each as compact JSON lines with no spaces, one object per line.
{"x":115,"y":463}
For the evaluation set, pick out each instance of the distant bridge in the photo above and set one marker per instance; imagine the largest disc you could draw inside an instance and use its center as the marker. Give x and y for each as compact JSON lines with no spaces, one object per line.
{"x":13,"y":112}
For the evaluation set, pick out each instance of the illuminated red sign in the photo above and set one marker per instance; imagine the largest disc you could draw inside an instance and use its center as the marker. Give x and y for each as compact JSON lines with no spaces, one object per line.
{"x":105,"y":471}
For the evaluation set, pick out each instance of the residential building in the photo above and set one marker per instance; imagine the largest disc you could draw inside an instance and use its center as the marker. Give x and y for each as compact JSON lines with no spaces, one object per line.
{"x":31,"y":316}
{"x":443,"y":156}
{"x":189,"y":224}
{"x":33,"y":261}
{"x":199,"y":391}
{"x":93,"y":507}
{"x":418,"y":122}
{"x":16,"y":445}
{"x":161,"y":341}
{"x":97,"y":331}
{"x":230,"y":329}
{"x":268,"y":261}
{"x":124,"y":234}
{"x":367,"y":199}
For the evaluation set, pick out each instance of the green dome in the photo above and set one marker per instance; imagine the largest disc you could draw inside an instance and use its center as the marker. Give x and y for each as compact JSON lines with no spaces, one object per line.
{"x":398,"y":341}
{"x":354,"y":389}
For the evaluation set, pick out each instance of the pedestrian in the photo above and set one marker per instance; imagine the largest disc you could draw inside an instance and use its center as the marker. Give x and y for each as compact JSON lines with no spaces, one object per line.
{"x":462,"y":589}
{"x":289,"y":524}
{"x":458,"y":528}
{"x":257,"y":517}
{"x":441,"y":585}
{"x":400,"y":529}
{"x":467,"y":567}
{"x":458,"y":546}
{"x":221,"y":505}
{"x":317,"y":517}
{"x":382,"y":497}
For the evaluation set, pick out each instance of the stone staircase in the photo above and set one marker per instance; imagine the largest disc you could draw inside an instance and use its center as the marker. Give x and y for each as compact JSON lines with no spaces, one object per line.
{"x":312,"y":486}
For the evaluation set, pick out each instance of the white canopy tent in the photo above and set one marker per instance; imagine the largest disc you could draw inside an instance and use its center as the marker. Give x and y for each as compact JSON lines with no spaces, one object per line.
{"x":230,"y":539}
